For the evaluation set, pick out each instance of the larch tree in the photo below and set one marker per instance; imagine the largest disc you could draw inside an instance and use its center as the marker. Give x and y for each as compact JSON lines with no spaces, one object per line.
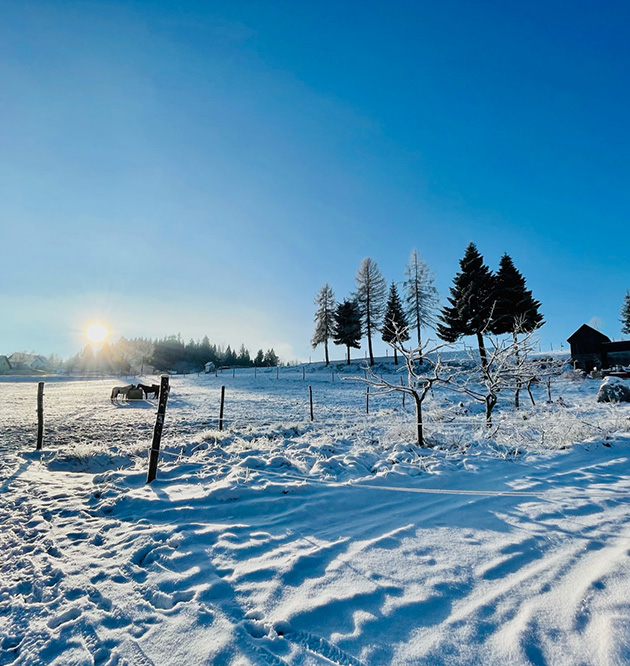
{"x":347,"y":325}
{"x":395,"y":327}
{"x":471,"y":302}
{"x":514,"y":309}
{"x":324,"y":318}
{"x":625,"y":314}
{"x":421,"y":296}
{"x":370,"y":296}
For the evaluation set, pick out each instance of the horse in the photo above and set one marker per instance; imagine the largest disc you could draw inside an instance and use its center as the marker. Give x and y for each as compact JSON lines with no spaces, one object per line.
{"x":120,"y":390}
{"x":154,"y":389}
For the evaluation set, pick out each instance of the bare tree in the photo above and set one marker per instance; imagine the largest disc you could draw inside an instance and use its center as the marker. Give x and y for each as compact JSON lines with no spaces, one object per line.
{"x":370,"y":295}
{"x":507,"y":367}
{"x":420,"y":378}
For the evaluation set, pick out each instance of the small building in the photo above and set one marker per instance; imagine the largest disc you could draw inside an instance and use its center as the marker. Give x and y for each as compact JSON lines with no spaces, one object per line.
{"x":5,"y":365}
{"x":25,"y":362}
{"x":592,"y":349}
{"x":209,"y":366}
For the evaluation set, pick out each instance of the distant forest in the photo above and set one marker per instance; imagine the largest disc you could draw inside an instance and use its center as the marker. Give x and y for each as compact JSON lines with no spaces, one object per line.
{"x":169,"y":354}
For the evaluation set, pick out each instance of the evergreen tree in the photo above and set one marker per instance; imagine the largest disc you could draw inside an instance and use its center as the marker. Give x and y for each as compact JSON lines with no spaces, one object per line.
{"x":271,"y":359}
{"x":243,"y":357}
{"x":421,"y":296}
{"x":370,"y":297}
{"x":347,"y":325}
{"x":395,"y":327}
{"x":325,"y":300}
{"x":471,"y":302}
{"x":625,"y":314}
{"x":260,"y":358}
{"x":515,"y":310}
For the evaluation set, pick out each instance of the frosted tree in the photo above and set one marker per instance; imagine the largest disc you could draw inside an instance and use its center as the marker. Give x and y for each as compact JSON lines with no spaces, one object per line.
{"x":370,"y":296}
{"x":625,"y":314}
{"x":324,"y":318}
{"x":395,"y":327}
{"x":471,"y":299}
{"x":421,"y":296}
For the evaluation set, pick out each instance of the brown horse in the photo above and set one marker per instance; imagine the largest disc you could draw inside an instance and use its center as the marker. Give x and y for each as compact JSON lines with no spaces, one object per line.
{"x":154,"y":389}
{"x":120,"y":390}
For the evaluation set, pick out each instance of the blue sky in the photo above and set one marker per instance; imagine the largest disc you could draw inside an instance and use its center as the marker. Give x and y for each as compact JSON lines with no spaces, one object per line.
{"x":205,"y":167}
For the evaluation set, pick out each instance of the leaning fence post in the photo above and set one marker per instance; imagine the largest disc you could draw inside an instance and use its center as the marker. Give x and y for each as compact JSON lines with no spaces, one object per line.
{"x":310,"y":398}
{"x":221,"y":408}
{"x":157,"y":430}
{"x":40,"y":415}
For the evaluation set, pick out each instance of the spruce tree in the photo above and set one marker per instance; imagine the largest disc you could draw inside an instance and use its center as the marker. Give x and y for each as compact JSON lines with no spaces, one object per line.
{"x":471,"y":302}
{"x":325,"y":300}
{"x":625,"y":314}
{"x":370,"y":296}
{"x":514,"y":310}
{"x":347,"y":325}
{"x":395,"y":327}
{"x":421,"y":296}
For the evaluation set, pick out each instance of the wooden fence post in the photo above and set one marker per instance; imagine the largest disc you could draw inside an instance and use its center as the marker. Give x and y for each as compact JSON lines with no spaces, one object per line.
{"x":402,"y":384}
{"x":221,"y":408}
{"x":157,"y":430}
{"x":233,"y":372}
{"x":255,"y":371}
{"x":40,"y":415}
{"x":303,"y":373}
{"x":310,"y":397}
{"x":277,"y":372}
{"x":367,"y":399}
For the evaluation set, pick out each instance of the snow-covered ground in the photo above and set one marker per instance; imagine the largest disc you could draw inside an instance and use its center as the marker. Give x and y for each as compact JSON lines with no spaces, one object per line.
{"x":283,"y":541}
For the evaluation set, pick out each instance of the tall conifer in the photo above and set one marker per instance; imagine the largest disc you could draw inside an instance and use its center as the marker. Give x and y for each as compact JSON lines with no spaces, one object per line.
{"x":325,"y":301}
{"x":471,"y":301}
{"x":395,"y":327}
{"x":347,"y":328}
{"x":514,"y":310}
{"x":421,"y":296}
{"x":370,"y":297}
{"x":625,"y":314}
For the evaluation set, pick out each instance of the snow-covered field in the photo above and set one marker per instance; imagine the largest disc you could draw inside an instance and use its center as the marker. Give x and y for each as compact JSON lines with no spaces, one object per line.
{"x":284,"y":541}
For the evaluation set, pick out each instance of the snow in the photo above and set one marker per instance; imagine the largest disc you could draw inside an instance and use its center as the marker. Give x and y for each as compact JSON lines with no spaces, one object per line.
{"x":278,"y":541}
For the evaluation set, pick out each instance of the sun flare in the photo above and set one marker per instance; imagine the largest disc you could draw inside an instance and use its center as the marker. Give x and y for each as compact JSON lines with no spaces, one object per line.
{"x":96,"y":333}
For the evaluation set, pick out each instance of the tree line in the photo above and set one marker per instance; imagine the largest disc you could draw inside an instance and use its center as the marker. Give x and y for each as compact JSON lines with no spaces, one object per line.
{"x":167,"y":354}
{"x":481,"y":302}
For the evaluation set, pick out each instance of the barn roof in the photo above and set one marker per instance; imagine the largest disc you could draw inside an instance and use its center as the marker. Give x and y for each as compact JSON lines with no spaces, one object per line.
{"x":586,"y":330}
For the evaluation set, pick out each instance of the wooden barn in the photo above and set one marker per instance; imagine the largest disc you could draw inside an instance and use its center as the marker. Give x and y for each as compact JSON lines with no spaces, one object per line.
{"x":592,"y":349}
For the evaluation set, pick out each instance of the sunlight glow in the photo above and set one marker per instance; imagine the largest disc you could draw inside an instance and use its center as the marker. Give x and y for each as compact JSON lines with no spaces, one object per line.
{"x":96,"y":333}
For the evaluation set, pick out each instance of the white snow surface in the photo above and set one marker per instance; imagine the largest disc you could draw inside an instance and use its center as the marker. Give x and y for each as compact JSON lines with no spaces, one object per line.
{"x":281,"y":541}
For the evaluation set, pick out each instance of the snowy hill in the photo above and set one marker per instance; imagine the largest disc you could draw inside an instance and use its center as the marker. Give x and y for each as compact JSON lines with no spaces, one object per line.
{"x":281,"y":541}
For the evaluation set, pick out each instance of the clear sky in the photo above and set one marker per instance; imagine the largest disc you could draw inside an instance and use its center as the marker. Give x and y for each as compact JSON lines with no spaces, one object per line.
{"x":205,"y":167}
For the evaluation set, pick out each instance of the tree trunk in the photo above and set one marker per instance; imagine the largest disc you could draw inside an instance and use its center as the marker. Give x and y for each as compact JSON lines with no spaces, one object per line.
{"x":482,"y":351}
{"x":369,"y":337}
{"x":491,"y":401}
{"x":529,"y":390}
{"x":395,"y":356}
{"x":517,"y":402}
{"x":348,"y":347}
{"x":420,"y":432}
{"x":326,"y":351}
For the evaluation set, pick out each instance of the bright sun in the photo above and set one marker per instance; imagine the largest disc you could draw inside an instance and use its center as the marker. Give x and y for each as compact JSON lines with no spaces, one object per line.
{"x":96,"y":333}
